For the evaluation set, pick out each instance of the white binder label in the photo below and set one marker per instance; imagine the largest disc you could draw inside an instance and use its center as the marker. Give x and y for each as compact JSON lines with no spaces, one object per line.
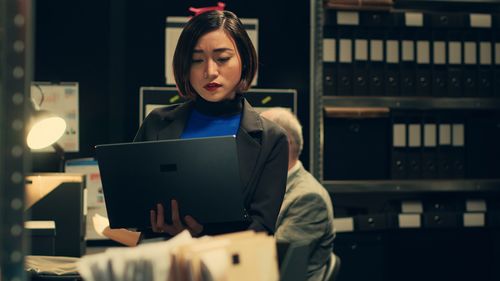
{"x":455,"y":52}
{"x":399,"y":135}
{"x":423,"y":52}
{"x":329,"y":50}
{"x":361,"y":49}
{"x":392,"y":51}
{"x":458,"y":135}
{"x":376,"y":50}
{"x":439,"y":52}
{"x":345,"y":50}
{"x":408,"y":50}
{"x":414,"y":19}
{"x":470,"y":50}
{"x":414,"y":135}
{"x":444,"y":134}
{"x":480,"y":20}
{"x":430,"y":135}
{"x":347,"y":18}
{"x":485,"y":53}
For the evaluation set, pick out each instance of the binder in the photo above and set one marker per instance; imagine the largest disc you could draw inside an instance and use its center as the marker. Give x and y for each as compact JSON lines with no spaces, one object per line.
{"x":439,"y":68}
{"x":346,"y":22}
{"x":399,"y":164}
{"x":470,"y":55}
{"x":329,"y":62}
{"x":347,"y":153}
{"x":444,"y":26}
{"x":377,"y":19}
{"x":457,"y":156}
{"x":444,"y":147}
{"x":407,"y":45}
{"x":345,"y":59}
{"x":392,"y":78}
{"x":454,"y":64}
{"x":429,"y":150}
{"x":414,"y":149}
{"x":454,"y":27}
{"x":496,"y":69}
{"x":485,"y":77}
{"x":447,"y":20}
{"x":482,"y":149}
{"x":376,"y":65}
{"x":360,"y":68}
{"x":423,"y":74}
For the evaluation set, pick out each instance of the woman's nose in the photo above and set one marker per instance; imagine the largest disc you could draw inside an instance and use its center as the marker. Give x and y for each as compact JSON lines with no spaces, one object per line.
{"x":212,"y":69}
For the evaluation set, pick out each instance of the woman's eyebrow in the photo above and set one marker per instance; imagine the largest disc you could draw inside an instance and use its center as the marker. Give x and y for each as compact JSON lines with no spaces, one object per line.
{"x":218,"y":50}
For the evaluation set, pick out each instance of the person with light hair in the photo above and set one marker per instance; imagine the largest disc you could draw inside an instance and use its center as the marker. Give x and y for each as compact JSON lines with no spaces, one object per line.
{"x":307,"y":211}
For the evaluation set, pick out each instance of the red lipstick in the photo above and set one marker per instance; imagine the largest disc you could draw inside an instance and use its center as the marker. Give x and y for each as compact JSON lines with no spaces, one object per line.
{"x":212,"y":86}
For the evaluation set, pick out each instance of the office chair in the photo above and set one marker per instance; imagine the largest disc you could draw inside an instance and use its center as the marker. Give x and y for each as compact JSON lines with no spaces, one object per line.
{"x":332,"y":269}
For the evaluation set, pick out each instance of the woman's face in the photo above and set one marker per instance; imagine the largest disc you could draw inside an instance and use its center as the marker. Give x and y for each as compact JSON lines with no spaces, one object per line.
{"x":216,"y":67}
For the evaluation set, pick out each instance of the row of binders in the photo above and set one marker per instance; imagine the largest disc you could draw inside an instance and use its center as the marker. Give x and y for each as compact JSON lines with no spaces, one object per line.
{"x":413,"y":144}
{"x":427,"y":147}
{"x":415,"y":214}
{"x":411,"y":54}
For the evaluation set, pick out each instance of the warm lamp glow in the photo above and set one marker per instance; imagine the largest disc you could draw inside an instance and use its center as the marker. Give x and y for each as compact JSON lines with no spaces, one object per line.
{"x":45,"y":132}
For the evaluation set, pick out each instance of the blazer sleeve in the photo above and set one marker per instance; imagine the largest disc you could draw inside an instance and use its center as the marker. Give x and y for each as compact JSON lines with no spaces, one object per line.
{"x":306,"y":218}
{"x":270,"y":188}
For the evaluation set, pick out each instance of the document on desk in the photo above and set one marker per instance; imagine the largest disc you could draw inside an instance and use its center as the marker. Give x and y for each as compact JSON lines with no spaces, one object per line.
{"x":94,"y":195}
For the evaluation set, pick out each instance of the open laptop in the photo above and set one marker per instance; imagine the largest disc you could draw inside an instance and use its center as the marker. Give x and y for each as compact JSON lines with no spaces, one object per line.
{"x":202,"y":174}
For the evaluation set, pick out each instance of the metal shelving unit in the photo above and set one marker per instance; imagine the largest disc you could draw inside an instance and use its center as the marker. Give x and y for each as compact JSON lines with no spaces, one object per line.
{"x":15,"y":78}
{"x":318,"y":102}
{"x":411,"y":102}
{"x":402,"y":186}
{"x":316,"y":89}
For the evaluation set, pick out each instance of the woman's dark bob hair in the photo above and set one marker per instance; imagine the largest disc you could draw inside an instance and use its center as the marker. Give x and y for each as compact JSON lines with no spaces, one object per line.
{"x":201,"y":25}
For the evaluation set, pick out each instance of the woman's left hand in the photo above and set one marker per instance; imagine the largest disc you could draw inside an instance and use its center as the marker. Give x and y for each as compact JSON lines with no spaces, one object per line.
{"x":159,"y":226}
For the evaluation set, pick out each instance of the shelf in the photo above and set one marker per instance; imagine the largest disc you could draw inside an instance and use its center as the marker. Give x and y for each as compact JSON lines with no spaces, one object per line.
{"x":464,"y":185}
{"x":412,"y":102}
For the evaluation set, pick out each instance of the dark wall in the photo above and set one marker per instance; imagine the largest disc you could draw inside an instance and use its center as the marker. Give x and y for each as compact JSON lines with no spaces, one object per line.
{"x":114,"y":47}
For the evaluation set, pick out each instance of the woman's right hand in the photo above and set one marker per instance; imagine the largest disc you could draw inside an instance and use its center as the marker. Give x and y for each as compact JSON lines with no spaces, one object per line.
{"x":158,"y":224}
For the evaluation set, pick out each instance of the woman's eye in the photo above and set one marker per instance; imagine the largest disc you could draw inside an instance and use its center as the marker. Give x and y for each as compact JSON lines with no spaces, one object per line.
{"x":224,"y":59}
{"x":196,"y":60}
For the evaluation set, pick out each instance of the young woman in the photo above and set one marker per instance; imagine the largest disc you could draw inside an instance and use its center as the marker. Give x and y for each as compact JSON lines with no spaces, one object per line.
{"x":214,"y":64}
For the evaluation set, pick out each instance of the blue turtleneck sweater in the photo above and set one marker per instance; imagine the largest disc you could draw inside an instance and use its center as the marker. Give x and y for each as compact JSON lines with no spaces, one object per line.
{"x":210,"y":119}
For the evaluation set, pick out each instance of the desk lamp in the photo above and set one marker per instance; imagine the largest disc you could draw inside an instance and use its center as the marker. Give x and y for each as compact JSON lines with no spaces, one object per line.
{"x":45,"y":129}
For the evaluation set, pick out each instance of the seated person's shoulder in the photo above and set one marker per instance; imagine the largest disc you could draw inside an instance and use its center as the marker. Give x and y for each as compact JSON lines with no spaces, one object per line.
{"x":272,"y":129}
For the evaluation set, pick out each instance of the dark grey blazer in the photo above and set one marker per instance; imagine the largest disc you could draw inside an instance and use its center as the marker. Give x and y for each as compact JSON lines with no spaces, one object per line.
{"x":262,"y":152}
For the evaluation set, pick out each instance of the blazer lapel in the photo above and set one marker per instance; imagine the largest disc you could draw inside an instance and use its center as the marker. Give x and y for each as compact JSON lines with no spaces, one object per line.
{"x":249,"y":144}
{"x":175,"y":121}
